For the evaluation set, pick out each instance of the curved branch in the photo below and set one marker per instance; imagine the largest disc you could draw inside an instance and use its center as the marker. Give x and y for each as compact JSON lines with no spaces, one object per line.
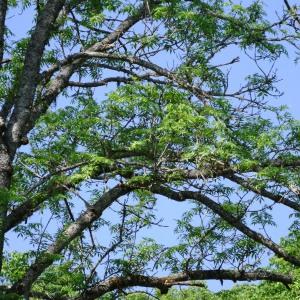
{"x":164,"y":283}
{"x":50,"y":189}
{"x":69,"y":234}
{"x":28,"y":207}
{"x":263,"y":192}
{"x":202,"y":95}
{"x":117,"y":79}
{"x":30,"y":74}
{"x":228,"y":217}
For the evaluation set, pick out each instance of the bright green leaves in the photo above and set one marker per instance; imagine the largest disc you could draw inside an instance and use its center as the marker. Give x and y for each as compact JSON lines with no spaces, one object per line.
{"x":160,"y":129}
{"x":62,"y":280}
{"x":89,"y":169}
{"x":209,"y":22}
{"x":5,"y":196}
{"x":180,"y":121}
{"x":15,"y":265}
{"x":160,"y":117}
{"x":96,"y":19}
{"x":138,"y":260}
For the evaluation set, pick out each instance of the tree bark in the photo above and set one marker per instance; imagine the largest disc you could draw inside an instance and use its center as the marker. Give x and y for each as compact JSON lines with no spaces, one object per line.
{"x":164,"y":283}
{"x":5,"y":180}
{"x":30,"y":73}
{"x":3,"y":9}
{"x":66,"y":70}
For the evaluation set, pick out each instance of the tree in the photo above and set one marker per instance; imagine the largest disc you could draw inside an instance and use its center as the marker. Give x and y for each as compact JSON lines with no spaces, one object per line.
{"x":185,"y":133}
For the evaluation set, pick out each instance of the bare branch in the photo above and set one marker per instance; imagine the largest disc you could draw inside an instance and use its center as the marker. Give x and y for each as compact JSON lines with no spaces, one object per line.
{"x":30,"y":75}
{"x":202,"y":95}
{"x":101,"y":82}
{"x":117,"y":79}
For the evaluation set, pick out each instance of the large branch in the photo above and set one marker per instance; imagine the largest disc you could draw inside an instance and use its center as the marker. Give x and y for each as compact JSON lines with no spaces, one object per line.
{"x":164,"y":283}
{"x":69,"y":234}
{"x":107,"y":42}
{"x":30,"y":73}
{"x":28,"y":207}
{"x":228,"y":217}
{"x":5,"y":182}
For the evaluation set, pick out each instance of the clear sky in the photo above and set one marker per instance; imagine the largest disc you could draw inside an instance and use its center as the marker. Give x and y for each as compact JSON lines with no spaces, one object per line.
{"x":288,"y":71}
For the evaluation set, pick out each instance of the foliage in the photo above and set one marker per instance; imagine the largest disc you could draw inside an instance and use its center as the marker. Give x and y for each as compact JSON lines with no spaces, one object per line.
{"x":110,"y":109}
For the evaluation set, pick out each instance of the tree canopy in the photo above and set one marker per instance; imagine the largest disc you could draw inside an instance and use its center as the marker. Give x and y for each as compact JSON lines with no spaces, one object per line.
{"x":109,"y":108}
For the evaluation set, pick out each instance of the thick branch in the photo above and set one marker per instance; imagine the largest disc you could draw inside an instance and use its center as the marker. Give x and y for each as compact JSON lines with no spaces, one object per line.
{"x":5,"y":181}
{"x":30,"y":74}
{"x":27,"y":208}
{"x":50,"y":189}
{"x":164,"y":283}
{"x":69,"y":234}
{"x":232,"y":220}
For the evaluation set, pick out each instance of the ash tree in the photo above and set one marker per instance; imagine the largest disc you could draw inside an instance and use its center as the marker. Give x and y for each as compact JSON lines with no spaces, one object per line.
{"x":109,"y":108}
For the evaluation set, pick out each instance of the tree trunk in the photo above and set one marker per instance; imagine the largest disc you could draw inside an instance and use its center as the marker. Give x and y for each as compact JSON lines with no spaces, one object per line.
{"x":5,"y":180}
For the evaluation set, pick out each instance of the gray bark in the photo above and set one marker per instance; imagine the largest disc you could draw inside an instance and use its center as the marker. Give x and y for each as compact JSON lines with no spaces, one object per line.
{"x":66,"y":71}
{"x":13,"y":133}
{"x":5,"y":180}
{"x":30,"y":73}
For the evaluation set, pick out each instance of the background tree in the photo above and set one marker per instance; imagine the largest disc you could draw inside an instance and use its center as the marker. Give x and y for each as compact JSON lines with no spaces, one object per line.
{"x":173,"y":125}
